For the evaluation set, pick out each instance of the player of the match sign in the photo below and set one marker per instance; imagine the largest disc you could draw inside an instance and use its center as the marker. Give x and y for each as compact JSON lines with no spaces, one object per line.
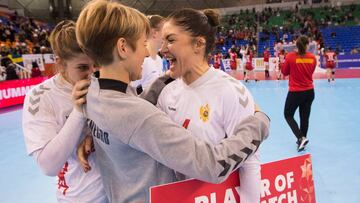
{"x":285,"y":181}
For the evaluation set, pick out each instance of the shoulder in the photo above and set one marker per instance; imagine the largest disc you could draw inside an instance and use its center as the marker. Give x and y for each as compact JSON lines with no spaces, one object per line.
{"x":172,"y":88}
{"x":309,"y":54}
{"x":38,"y":101}
{"x":40,"y":92}
{"x":228,"y":85}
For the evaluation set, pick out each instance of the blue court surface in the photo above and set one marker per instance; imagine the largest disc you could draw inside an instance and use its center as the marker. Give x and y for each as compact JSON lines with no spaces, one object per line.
{"x":333,"y":133}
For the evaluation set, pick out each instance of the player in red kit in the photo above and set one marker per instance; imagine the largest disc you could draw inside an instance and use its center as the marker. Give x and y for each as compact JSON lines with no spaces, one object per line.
{"x":282,"y":55}
{"x":249,"y":68}
{"x":266,"y":62}
{"x":331,"y":61}
{"x":299,"y":66}
{"x":217,"y":60}
{"x":233,"y":57}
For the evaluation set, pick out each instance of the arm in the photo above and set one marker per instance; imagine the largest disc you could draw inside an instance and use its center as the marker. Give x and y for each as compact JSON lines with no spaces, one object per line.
{"x":52,"y":156}
{"x":49,"y":146}
{"x":175,"y":147}
{"x":286,"y":67}
{"x":152,"y":93}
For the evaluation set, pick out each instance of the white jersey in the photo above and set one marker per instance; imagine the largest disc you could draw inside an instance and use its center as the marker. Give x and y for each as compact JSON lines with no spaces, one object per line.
{"x":151,"y":70}
{"x":210,"y":107}
{"x":46,"y":109}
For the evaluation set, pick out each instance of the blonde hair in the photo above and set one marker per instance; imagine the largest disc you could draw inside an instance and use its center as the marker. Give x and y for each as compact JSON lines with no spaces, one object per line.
{"x":63,"y":40}
{"x":101,"y":23}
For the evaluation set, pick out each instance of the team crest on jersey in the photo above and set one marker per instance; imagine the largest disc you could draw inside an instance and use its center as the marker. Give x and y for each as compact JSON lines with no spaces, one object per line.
{"x":204,"y":113}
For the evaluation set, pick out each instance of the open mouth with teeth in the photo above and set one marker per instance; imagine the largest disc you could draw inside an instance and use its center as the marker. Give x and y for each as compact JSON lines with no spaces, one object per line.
{"x":172,"y":61}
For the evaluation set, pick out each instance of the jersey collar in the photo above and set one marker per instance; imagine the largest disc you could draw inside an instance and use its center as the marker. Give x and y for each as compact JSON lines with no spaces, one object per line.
{"x":109,"y":84}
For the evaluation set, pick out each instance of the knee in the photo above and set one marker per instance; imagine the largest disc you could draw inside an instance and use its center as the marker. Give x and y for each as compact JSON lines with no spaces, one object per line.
{"x":287,"y":115}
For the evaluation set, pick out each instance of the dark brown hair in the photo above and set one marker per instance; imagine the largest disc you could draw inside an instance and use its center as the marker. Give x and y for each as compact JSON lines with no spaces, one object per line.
{"x":301,"y":44}
{"x":198,"y":23}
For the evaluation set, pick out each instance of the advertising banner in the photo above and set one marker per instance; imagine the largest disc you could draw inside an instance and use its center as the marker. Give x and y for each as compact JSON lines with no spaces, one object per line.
{"x":31,"y":60}
{"x":285,"y":181}
{"x":12,"y":92}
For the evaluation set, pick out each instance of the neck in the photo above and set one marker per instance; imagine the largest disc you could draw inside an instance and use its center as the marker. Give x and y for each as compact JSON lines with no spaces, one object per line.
{"x":153,"y":50}
{"x":115,"y":71}
{"x":65,"y":79}
{"x":196,"y":72}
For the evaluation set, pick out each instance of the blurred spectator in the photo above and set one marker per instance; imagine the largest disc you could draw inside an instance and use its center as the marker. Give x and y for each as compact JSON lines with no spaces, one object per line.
{"x":35,"y":70}
{"x":2,"y":73}
{"x":10,"y":69}
{"x":333,"y":34}
{"x":355,"y":51}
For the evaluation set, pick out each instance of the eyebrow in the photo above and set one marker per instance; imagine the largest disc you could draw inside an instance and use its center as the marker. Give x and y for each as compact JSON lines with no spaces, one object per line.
{"x":170,"y":35}
{"x":82,"y":64}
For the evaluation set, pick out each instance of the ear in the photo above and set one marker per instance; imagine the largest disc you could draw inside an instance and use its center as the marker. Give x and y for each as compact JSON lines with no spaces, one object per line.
{"x":122,"y":48}
{"x":153,"y":34}
{"x":200,"y":44}
{"x":59,"y":62}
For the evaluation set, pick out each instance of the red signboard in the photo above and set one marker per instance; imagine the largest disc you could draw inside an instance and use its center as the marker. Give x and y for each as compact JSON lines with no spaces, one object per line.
{"x":284,"y":181}
{"x":12,"y":92}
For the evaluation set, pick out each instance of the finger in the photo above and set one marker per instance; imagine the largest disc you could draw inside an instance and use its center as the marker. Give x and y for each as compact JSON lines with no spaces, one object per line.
{"x":82,"y":156}
{"x":257,"y":107}
{"x":88,"y":145}
{"x":80,"y":101}
{"x":80,"y":93}
{"x":83,"y":84}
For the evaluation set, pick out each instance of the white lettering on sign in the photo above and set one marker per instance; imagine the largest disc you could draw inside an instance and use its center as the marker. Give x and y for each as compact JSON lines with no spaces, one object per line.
{"x":290,"y":197}
{"x":229,"y":196}
{"x":14,"y":92}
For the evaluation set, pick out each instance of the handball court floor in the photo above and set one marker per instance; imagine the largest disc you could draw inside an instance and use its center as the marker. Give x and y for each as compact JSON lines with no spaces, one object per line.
{"x":333,"y":133}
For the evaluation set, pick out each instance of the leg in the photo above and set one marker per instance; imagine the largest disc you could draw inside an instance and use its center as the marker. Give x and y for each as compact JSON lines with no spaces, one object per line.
{"x":247,"y":75}
{"x":250,"y":180}
{"x":304,"y":111}
{"x":291,"y":104}
{"x":328,"y":74}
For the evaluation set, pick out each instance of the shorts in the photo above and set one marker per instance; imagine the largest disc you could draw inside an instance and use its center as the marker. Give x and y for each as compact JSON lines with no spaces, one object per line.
{"x":330,"y":65}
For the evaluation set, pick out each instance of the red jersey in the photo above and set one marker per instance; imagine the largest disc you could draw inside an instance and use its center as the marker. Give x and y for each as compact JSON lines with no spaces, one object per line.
{"x":266,"y":56}
{"x":217,"y":60}
{"x":300,"y":70}
{"x":249,"y":58}
{"x":233,"y":57}
{"x":282,"y":58}
{"x":330,"y":57}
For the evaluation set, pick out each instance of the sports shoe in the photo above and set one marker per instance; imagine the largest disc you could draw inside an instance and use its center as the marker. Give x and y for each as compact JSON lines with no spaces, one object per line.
{"x":304,"y":141}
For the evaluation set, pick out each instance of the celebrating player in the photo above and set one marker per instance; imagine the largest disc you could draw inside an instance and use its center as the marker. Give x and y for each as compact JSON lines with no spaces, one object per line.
{"x":218,"y":101}
{"x":137,"y":144}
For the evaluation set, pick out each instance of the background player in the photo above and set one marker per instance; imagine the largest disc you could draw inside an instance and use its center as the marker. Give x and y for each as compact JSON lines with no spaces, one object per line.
{"x":266,"y":62}
{"x":331,"y":61}
{"x":249,"y":68}
{"x":300,"y":66}
{"x":152,"y":67}
{"x":233,"y":58}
